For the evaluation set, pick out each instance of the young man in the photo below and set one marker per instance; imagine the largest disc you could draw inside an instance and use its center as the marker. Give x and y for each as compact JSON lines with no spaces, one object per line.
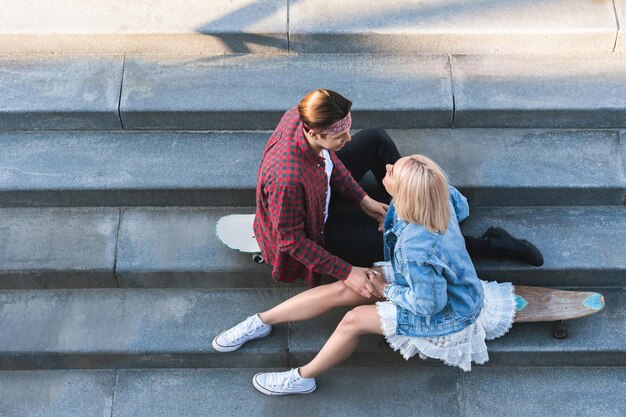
{"x":300,"y":171}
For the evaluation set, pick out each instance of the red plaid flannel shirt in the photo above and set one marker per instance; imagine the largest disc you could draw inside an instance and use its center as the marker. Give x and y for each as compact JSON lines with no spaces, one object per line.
{"x":290,"y":203}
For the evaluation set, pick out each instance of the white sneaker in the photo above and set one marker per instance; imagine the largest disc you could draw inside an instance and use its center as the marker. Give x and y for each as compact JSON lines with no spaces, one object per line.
{"x":233,"y":338}
{"x":283,"y":383}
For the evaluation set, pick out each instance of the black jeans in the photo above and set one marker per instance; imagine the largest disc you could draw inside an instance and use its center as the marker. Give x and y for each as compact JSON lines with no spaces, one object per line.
{"x":350,"y":233}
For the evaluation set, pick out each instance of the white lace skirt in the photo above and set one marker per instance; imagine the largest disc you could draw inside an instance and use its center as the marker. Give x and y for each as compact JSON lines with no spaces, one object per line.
{"x":464,"y":347}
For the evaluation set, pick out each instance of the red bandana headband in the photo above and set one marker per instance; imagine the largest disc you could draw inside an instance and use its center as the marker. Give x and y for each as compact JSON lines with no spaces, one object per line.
{"x":337,"y":127}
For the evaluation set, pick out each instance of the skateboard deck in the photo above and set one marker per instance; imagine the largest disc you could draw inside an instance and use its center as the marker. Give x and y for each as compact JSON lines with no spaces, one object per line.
{"x":548,"y":304}
{"x":236,"y":232}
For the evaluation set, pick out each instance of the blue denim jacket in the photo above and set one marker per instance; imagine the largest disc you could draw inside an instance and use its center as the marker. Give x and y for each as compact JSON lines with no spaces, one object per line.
{"x":435,"y":287}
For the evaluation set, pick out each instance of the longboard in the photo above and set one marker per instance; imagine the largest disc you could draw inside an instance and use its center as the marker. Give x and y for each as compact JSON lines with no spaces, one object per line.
{"x":532,"y":303}
{"x":548,"y":304}
{"x":236,"y":232}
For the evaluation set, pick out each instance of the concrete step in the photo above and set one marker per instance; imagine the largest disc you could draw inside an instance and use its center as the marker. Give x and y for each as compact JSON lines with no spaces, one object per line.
{"x":51,"y":92}
{"x":393,"y":91}
{"x":227,"y":26}
{"x":238,"y":91}
{"x":527,"y":392}
{"x":114,"y":328}
{"x":452,"y":27}
{"x":491,"y":166}
{"x":67,"y":248}
{"x":519,"y":92}
{"x":177,"y":247}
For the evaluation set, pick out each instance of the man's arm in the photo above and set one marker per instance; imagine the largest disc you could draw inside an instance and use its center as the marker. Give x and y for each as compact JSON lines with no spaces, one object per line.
{"x":287,"y":213}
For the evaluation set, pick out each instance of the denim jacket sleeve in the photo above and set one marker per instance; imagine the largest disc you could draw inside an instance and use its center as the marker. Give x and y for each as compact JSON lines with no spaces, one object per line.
{"x":426,"y":294}
{"x":459,"y":203}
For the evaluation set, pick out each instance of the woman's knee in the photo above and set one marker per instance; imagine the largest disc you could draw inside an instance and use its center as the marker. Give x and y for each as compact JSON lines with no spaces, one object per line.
{"x":353,"y":320}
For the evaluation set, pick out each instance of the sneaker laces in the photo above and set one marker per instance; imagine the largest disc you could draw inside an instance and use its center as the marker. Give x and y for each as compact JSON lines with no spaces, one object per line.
{"x":240,"y":330}
{"x":283,"y":381}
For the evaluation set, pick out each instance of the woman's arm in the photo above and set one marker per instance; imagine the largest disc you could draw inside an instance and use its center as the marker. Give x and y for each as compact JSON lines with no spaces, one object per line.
{"x":426,"y":294}
{"x":459,"y":203}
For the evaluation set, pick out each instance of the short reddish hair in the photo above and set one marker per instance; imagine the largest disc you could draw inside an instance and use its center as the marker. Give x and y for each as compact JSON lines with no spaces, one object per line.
{"x":321,"y":108}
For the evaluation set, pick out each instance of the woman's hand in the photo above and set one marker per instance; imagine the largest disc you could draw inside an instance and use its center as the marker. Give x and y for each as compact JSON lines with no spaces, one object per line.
{"x":374,"y":209}
{"x":377,"y":280}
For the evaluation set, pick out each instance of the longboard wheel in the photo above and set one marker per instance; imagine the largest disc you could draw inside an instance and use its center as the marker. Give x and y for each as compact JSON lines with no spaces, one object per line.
{"x":258,"y":258}
{"x":559,"y":330}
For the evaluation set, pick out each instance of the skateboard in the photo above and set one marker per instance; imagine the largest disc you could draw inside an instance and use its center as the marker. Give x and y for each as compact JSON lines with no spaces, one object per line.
{"x":533,"y":304}
{"x":538,"y":304}
{"x":236,"y":232}
{"x":548,"y":304}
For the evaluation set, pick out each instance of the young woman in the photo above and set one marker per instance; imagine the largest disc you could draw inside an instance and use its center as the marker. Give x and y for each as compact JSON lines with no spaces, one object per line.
{"x":432,"y":303}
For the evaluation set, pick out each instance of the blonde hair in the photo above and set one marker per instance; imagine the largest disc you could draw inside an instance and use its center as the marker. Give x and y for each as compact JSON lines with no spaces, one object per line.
{"x":422,"y":195}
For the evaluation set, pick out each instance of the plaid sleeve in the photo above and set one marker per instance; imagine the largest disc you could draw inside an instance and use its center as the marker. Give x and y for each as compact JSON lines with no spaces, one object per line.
{"x":342,"y":181}
{"x":288,"y":215}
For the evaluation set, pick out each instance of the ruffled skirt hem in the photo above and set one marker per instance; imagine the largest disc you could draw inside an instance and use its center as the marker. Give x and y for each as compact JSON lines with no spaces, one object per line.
{"x":464,"y":347}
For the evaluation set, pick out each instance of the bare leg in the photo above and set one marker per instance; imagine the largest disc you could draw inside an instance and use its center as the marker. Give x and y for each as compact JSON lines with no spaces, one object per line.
{"x":360,"y":320}
{"x":314,"y":302}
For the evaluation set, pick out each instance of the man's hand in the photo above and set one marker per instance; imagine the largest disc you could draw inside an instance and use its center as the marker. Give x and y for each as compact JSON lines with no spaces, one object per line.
{"x":374,"y":209}
{"x":358,"y":282}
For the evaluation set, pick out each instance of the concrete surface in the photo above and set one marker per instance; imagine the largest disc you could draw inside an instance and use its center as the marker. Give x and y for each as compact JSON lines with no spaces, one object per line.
{"x":539,"y":91}
{"x":341,"y":393}
{"x":252,"y":26}
{"x":214,"y":92}
{"x":57,"y":393}
{"x":240,"y":91}
{"x":502,"y":167}
{"x":129,"y":169}
{"x":527,"y":392}
{"x":60,"y":329}
{"x":582,"y":246}
{"x":491,"y":166}
{"x":179,"y":248}
{"x":58,"y":248}
{"x":192,"y":255}
{"x":442,"y":26}
{"x":162,"y":26}
{"x":538,"y":392}
{"x":60,"y":92}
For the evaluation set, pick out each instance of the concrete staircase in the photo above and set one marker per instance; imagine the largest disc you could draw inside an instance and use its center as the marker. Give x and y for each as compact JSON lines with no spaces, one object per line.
{"x":118,"y":157}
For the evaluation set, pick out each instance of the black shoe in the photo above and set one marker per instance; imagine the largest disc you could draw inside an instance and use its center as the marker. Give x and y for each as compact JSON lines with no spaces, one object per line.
{"x":503,"y":245}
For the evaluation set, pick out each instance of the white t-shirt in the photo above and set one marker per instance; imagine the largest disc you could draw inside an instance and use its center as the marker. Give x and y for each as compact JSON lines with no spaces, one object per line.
{"x":329,"y":170}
